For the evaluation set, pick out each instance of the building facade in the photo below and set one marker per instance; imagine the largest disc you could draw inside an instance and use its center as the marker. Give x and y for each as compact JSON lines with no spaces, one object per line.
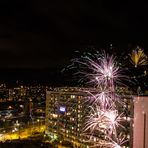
{"x":66,"y":111}
{"x":140,"y":132}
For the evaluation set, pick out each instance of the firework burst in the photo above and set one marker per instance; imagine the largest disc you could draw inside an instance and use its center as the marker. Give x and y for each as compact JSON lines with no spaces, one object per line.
{"x":138,"y":57}
{"x":104,"y":121}
{"x":99,"y":70}
{"x":102,"y":71}
{"x":111,"y":142}
{"x":104,"y":98}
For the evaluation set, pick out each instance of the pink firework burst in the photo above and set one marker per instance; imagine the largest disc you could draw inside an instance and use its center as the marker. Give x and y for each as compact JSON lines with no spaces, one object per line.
{"x":108,"y":72}
{"x":102,"y":70}
{"x":105,"y":98}
{"x":104,"y":121}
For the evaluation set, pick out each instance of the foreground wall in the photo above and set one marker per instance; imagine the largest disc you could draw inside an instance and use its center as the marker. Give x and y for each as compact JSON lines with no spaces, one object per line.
{"x":140,"y":134}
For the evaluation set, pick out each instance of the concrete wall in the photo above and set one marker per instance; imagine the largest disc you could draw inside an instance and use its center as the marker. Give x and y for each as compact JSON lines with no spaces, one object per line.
{"x":140,"y":129}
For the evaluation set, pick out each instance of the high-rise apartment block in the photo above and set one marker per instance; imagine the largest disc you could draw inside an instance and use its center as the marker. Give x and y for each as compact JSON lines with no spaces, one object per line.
{"x":66,"y":111}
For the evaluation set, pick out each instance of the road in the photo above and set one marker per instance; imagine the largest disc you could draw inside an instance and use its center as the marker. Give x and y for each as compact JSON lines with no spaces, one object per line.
{"x":24,"y":133}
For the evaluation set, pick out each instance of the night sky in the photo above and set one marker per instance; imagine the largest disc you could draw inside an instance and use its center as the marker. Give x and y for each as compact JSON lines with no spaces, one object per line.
{"x":44,"y":34}
{"x":38,"y":34}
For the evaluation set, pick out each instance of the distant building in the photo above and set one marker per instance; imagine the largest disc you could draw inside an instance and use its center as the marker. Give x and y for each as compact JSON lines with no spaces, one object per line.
{"x":22,"y":103}
{"x":140,"y":131}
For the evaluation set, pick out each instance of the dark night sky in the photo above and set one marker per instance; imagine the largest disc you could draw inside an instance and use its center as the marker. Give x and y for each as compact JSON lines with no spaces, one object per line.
{"x":45,"y":33}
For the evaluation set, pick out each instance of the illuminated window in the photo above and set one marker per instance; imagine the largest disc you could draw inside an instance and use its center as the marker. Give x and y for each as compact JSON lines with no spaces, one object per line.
{"x":72,"y":119}
{"x":72,"y":96}
{"x":54,"y":115}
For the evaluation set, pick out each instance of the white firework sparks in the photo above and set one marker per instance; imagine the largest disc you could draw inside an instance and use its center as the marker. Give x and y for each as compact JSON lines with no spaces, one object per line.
{"x":107,"y":71}
{"x":104,"y":119}
{"x":111,"y":142}
{"x":117,"y":142}
{"x":104,"y":98}
{"x":102,"y":70}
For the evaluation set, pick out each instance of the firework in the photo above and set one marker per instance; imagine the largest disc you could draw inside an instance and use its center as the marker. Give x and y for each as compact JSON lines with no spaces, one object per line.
{"x":104,"y":121}
{"x":117,"y":142}
{"x":111,"y":142}
{"x":138,"y":57}
{"x":103,"y":72}
{"x":104,"y":98}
